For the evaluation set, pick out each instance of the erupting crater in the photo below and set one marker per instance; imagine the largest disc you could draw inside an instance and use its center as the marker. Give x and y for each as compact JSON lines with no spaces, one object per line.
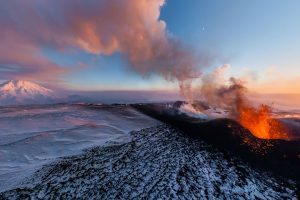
{"x":260,"y":123}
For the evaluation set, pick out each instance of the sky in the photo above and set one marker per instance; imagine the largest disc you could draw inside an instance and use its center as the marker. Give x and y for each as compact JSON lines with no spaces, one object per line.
{"x":150,"y":45}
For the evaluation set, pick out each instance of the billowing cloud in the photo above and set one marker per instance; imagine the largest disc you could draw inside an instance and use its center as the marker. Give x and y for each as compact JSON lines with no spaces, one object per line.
{"x":20,"y":59}
{"x":102,"y":27}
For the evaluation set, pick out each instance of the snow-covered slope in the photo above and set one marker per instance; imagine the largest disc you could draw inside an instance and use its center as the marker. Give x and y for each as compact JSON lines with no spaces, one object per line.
{"x":31,"y":136}
{"x":133,"y":157}
{"x":24,"y":92}
{"x":157,"y":163}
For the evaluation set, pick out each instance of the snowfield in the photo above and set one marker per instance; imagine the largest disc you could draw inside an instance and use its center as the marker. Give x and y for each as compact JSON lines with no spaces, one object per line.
{"x":158,"y":163}
{"x":114,"y":152}
{"x":31,"y":136}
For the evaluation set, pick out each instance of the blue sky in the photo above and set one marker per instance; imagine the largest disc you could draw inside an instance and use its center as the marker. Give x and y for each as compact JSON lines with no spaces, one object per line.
{"x":252,"y":36}
{"x":259,"y":39}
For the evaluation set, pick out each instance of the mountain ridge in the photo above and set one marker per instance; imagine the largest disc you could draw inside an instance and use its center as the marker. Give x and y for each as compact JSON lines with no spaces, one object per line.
{"x":15,"y":92}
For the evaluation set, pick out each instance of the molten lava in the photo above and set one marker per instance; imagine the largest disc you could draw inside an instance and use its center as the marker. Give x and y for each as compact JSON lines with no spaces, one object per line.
{"x":260,"y":123}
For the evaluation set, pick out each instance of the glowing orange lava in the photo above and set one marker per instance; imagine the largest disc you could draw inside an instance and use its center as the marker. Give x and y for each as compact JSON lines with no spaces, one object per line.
{"x":260,"y":123}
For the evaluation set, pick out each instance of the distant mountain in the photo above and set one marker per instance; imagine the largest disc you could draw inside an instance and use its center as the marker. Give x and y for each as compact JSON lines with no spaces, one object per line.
{"x":16,"y":92}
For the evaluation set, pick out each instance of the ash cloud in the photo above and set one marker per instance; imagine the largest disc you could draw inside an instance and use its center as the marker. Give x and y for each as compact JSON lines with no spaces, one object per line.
{"x":102,"y":27}
{"x":232,"y":96}
{"x":218,"y":92}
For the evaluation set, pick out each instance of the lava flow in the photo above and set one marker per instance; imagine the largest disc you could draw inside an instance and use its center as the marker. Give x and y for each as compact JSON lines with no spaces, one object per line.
{"x":260,"y":123}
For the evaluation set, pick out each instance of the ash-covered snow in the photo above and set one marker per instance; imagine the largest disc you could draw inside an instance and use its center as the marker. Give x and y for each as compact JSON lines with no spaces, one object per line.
{"x":158,"y":163}
{"x":124,"y":162}
{"x":189,"y":110}
{"x":208,"y":113}
{"x":31,"y":136}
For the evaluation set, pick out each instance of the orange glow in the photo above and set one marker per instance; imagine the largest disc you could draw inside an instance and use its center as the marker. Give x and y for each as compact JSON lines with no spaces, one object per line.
{"x":260,"y":123}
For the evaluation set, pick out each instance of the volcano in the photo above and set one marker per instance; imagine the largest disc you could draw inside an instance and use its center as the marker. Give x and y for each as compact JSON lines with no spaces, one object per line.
{"x":278,"y":155}
{"x":16,"y":92}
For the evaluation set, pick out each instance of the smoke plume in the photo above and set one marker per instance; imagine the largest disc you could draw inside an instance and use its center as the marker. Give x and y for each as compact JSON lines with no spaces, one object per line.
{"x":102,"y":27}
{"x":232,"y":96}
{"x":219,"y":92}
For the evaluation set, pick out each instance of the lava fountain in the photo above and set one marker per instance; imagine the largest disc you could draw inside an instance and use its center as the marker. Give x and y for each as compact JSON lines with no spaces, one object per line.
{"x":260,"y":123}
{"x":258,"y":120}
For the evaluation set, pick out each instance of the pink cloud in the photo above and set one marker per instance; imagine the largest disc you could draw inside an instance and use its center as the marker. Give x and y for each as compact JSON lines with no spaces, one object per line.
{"x":101,"y":27}
{"x":21,"y":59}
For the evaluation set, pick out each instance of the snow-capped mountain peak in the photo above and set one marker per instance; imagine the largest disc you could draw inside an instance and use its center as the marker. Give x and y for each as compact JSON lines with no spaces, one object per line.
{"x":24,"y":92}
{"x":20,"y":87}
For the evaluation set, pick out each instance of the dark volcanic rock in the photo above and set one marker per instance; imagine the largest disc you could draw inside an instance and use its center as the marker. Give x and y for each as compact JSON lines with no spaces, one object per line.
{"x":159,"y":163}
{"x":280,"y":156}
